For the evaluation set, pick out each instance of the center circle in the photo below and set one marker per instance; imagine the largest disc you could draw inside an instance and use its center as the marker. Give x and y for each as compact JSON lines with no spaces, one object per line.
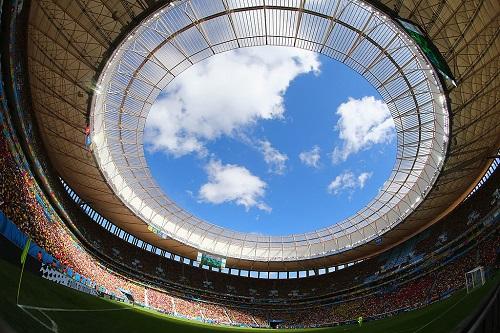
{"x":320,"y":157}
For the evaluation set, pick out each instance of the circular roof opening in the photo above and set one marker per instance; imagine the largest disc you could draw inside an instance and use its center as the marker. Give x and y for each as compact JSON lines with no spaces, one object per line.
{"x":270,"y":140}
{"x":351,"y":32}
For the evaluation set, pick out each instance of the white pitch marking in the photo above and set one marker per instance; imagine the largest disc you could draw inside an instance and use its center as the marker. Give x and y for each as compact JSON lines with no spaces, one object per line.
{"x":54,"y":328}
{"x":70,"y":310}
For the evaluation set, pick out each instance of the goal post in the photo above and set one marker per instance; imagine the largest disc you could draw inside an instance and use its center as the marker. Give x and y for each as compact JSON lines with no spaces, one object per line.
{"x":474,"y":278}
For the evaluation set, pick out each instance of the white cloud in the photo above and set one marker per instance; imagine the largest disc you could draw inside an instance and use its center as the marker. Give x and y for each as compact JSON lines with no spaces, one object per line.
{"x":223,"y":95}
{"x":275,"y":160}
{"x":348,"y":181}
{"x":363,"y":123}
{"x":311,"y":158}
{"x":363,"y":177}
{"x":233,"y":183}
{"x":343,"y":181}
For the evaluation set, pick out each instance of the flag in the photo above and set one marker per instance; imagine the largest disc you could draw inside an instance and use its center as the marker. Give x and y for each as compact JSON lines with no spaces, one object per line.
{"x":25,"y":250}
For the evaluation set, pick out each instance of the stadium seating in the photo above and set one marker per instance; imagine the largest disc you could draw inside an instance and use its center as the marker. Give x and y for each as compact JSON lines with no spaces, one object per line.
{"x":347,"y":293}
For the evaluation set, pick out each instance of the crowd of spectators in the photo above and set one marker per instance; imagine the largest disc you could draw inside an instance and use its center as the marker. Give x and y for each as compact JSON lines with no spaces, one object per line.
{"x":160,"y":301}
{"x":216,"y":313}
{"x":18,"y":191}
{"x":403,"y":295}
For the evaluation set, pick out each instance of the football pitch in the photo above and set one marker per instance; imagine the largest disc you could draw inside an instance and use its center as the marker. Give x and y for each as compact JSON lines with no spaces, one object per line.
{"x":48,"y":307}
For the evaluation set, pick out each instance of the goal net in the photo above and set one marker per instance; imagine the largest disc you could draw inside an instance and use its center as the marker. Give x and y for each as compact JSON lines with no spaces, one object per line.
{"x":474,"y":278}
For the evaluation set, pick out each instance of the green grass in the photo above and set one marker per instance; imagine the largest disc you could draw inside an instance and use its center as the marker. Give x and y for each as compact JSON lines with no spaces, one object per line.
{"x":440,"y":317}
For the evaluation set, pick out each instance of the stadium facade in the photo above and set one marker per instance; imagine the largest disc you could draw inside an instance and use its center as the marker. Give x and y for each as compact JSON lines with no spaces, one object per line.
{"x":79,"y":77}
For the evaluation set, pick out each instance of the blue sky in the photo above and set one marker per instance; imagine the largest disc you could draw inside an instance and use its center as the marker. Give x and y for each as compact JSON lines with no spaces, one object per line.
{"x":270,"y":140}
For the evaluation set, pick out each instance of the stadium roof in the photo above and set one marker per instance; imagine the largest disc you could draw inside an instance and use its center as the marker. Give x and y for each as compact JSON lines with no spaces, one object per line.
{"x":72,"y":41}
{"x":176,"y":37}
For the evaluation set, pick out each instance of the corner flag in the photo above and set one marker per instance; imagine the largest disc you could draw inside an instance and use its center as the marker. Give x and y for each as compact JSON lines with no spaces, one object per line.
{"x":23,"y":261}
{"x":25,"y":250}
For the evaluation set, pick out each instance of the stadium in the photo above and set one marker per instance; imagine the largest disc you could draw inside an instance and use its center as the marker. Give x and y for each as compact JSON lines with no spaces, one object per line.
{"x":90,"y":241}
